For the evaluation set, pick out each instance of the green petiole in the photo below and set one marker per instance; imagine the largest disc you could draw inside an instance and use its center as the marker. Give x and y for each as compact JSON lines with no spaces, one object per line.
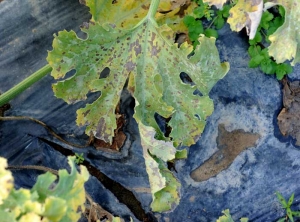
{"x":26,"y":83}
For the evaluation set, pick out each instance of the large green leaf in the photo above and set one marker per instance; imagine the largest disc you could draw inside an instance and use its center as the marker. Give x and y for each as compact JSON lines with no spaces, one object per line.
{"x":148,"y":58}
{"x":148,"y":52}
{"x":286,"y":40}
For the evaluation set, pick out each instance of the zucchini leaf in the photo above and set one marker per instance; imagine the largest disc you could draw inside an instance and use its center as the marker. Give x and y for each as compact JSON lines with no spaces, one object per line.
{"x":144,"y":54}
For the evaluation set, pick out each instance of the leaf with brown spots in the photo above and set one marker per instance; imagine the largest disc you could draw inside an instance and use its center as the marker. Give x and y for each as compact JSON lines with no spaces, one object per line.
{"x":128,"y":13}
{"x":148,"y":52}
{"x":147,"y":57}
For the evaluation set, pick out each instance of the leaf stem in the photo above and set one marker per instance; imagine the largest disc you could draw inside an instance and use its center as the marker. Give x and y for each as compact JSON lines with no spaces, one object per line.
{"x":153,"y":8}
{"x":26,"y":83}
{"x":212,"y":22}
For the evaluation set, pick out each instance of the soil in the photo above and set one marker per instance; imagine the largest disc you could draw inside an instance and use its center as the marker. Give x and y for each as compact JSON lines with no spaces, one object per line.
{"x":230,"y":145}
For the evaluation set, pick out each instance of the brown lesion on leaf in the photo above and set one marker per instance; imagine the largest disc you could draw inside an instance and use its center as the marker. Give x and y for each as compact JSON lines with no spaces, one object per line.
{"x":145,"y":7}
{"x":130,"y":66}
{"x":138,"y":49}
{"x":154,"y":51}
{"x":230,"y":145}
{"x":86,"y":113}
{"x":119,"y":136}
{"x":181,"y":13}
{"x":289,"y":117}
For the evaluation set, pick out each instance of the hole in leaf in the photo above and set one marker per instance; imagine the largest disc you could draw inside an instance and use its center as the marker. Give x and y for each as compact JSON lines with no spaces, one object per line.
{"x":186,"y":79}
{"x":68,"y":75}
{"x":105,"y":72}
{"x":165,"y":12}
{"x":163,"y":124}
{"x":180,"y":38}
{"x":197,"y":92}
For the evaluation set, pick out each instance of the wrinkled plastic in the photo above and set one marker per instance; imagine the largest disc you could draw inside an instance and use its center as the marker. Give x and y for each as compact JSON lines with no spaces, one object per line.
{"x":245,"y":99}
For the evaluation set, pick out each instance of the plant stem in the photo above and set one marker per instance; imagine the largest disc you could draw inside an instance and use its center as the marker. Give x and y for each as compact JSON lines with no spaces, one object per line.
{"x":212,"y":22}
{"x":153,"y":8}
{"x":26,"y":83}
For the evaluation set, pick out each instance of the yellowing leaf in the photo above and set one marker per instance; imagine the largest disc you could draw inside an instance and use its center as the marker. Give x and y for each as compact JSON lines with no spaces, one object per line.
{"x":218,"y":3}
{"x":286,"y":40}
{"x":155,"y":63}
{"x":62,"y":201}
{"x":47,"y":201}
{"x":30,"y":217}
{"x":246,"y":13}
{"x":128,"y":13}
{"x":164,"y":186}
{"x":146,"y":56}
{"x":175,"y":21}
{"x":6,"y":180}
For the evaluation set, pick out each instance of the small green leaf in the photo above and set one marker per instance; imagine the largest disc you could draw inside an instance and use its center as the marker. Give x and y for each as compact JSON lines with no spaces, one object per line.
{"x":189,"y":20}
{"x":282,"y":70}
{"x":219,"y":22}
{"x":254,"y":50}
{"x":211,"y":33}
{"x":225,"y":11}
{"x":265,"y":19}
{"x":281,"y":199}
{"x":290,"y":215}
{"x":281,"y":11}
{"x":256,"y":39}
{"x":255,"y":61}
{"x":226,"y":217}
{"x":244,"y":219}
{"x":267,"y":66}
{"x":199,"y":12}
{"x":296,"y":213}
{"x":274,"y":25}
